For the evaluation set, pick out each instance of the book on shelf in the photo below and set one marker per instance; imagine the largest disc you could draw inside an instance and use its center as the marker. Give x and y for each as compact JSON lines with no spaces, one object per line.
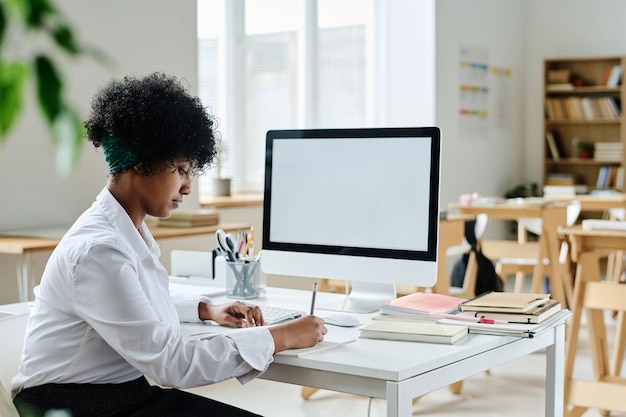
{"x":560,"y":86}
{"x":615,"y":77}
{"x":552,"y":145}
{"x":605,"y":75}
{"x":559,"y":190}
{"x":560,"y":178}
{"x":610,"y":176}
{"x":504,"y":302}
{"x":414,"y":331}
{"x":533,"y":316}
{"x":608,"y":151}
{"x":421,"y":304}
{"x":583,"y":108}
{"x":190,"y":218}
{"x":561,"y":75}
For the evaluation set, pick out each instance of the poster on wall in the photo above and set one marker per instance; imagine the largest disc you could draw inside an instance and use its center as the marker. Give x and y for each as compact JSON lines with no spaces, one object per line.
{"x":483,"y":93}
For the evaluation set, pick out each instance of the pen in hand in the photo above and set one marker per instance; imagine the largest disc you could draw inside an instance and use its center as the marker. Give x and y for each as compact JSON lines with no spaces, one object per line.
{"x":313,"y":298}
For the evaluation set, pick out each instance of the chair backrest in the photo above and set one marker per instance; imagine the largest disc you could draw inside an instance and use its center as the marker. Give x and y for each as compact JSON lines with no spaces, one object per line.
{"x":191,"y":263}
{"x":13,"y":330}
{"x":573,"y":211}
{"x":7,"y":409}
{"x":481,"y":225}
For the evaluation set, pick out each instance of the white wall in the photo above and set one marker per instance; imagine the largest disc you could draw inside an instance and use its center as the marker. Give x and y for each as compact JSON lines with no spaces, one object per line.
{"x":492,"y":164}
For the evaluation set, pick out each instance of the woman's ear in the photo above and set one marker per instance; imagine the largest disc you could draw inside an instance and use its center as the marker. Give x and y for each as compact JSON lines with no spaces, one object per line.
{"x":139,"y":169}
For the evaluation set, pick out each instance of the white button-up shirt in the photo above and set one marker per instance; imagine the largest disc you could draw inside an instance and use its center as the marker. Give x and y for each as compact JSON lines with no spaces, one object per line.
{"x":103,"y":314}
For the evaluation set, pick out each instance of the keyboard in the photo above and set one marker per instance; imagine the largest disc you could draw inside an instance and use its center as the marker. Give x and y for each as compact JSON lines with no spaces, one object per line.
{"x":273,"y":315}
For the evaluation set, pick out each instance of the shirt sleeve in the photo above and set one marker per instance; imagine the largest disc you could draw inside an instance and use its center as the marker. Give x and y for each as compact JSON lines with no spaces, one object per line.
{"x":187,"y":305}
{"x":144,"y":330}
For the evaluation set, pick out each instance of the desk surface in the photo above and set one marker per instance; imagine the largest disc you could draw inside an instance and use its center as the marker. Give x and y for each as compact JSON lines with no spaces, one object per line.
{"x":235,"y":200}
{"x":19,"y":245}
{"x":14,"y":244}
{"x":588,"y":203}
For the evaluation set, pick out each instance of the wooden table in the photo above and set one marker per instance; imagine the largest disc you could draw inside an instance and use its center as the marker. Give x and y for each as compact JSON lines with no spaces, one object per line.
{"x":607,"y":391}
{"x":25,"y":246}
{"x":553,"y":216}
{"x":599,"y":203}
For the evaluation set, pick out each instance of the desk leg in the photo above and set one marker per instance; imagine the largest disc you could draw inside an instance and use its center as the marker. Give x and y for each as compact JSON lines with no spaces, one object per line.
{"x":399,"y":401}
{"x":555,"y":374}
{"x":24,"y":277}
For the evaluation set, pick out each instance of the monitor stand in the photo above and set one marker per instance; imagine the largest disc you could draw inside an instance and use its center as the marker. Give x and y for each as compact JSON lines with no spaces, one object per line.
{"x":363,"y":297}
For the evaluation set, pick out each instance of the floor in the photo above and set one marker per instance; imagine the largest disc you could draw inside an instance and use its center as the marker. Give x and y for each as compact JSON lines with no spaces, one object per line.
{"x":515,"y":389}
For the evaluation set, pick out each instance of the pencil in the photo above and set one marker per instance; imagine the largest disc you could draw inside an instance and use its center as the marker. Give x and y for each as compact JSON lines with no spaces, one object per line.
{"x":313,"y":298}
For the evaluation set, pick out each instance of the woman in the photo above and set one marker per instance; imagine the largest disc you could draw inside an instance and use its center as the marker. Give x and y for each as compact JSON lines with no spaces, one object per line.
{"x":103,"y":316}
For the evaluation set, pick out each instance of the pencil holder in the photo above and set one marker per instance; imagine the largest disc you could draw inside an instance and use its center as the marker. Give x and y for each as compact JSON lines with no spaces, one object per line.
{"x":243,"y":279}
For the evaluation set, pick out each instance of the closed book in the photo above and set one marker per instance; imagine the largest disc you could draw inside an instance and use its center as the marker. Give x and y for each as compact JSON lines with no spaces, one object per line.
{"x":189,"y":218}
{"x":504,"y":302}
{"x":413,"y":331}
{"x":421,"y":304}
{"x":533,"y":316}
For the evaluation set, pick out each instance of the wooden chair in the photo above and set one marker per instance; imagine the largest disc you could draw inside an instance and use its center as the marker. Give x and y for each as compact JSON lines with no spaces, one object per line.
{"x":13,"y":329}
{"x":606,"y":391}
{"x":526,"y":256}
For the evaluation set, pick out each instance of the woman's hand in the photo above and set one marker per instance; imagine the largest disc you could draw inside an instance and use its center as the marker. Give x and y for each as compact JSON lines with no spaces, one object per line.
{"x":235,"y":314}
{"x":299,"y":333}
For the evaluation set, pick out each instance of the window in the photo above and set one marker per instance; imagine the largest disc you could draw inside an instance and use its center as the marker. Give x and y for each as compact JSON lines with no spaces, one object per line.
{"x":264,"y":70}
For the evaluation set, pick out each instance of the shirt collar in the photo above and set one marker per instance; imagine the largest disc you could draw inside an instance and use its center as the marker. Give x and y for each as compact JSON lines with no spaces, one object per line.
{"x":141,"y":239}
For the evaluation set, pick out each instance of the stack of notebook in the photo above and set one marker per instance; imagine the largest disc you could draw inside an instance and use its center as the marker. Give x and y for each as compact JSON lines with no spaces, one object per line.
{"x":525,"y":308}
{"x":414,"y":331}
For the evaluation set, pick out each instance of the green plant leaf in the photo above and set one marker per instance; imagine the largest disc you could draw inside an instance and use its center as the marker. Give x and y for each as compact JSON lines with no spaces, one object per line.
{"x":13,"y":78}
{"x":68,"y":133}
{"x":64,"y":38}
{"x":37,"y":12}
{"x":49,"y":87}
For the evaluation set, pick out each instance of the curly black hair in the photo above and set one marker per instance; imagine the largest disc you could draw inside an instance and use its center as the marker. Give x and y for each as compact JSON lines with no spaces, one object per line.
{"x":156,"y":120}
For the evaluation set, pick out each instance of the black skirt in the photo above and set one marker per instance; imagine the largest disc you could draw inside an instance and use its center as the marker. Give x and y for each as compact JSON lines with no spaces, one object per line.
{"x":130,"y":399}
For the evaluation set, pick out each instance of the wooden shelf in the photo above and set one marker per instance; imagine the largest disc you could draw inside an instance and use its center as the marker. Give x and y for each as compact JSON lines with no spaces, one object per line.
{"x":576,"y":112}
{"x":581,"y":161}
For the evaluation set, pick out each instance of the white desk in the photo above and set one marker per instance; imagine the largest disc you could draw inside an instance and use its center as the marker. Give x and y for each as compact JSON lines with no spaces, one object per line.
{"x":398,"y":371}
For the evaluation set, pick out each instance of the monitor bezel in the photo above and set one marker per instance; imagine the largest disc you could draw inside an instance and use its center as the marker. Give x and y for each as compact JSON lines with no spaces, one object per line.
{"x":434,"y":133}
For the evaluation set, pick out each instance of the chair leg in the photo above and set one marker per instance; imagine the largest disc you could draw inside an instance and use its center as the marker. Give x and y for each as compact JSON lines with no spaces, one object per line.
{"x":307,"y":392}
{"x":520,"y":277}
{"x":456,"y":387}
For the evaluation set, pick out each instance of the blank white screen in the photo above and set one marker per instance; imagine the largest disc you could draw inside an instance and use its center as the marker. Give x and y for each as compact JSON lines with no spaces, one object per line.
{"x":351,"y":192}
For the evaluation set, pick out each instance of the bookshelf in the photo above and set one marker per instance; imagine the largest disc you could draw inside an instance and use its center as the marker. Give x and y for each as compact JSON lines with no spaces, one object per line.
{"x":584,"y":133}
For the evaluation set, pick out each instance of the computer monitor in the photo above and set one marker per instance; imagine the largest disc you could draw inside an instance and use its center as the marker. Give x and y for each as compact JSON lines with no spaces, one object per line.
{"x":360,"y":205}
